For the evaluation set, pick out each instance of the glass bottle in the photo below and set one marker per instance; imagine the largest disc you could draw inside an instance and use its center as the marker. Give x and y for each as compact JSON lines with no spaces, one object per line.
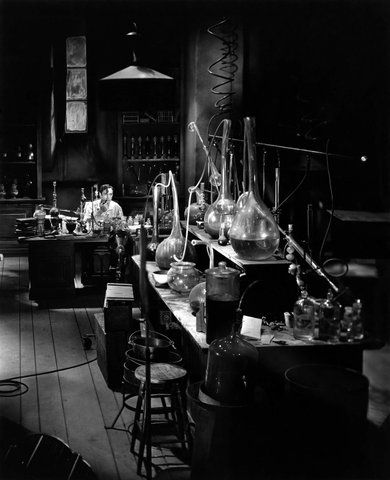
{"x":174,"y":244}
{"x":182,"y":276}
{"x":231,"y":368}
{"x":222,"y":297}
{"x":40,"y":215}
{"x":153,"y":244}
{"x":224,"y":207}
{"x":329,"y":319}
{"x":304,"y":317}
{"x":30,"y":153}
{"x":345,"y":333}
{"x":254,"y":234}
{"x":357,"y":325}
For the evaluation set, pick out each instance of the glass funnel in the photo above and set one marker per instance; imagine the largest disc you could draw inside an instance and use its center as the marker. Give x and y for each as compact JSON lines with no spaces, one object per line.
{"x":224,"y":208}
{"x":254,"y":234}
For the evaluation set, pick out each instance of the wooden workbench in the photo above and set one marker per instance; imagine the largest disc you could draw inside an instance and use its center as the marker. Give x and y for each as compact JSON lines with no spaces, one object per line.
{"x":278,"y":349}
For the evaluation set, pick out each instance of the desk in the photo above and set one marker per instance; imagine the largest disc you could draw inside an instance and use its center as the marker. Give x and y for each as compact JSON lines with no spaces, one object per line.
{"x":274,"y":358}
{"x":55,"y":263}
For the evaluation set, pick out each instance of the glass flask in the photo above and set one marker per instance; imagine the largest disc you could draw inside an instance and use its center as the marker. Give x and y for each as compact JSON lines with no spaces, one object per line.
{"x":329,"y":319}
{"x":197,"y":209}
{"x":151,"y":247}
{"x":304,"y":310}
{"x":174,"y":244}
{"x":222,"y":297}
{"x":197,"y":296}
{"x":231,"y":368}
{"x":224,"y":208}
{"x":182,"y":276}
{"x":254,"y":234}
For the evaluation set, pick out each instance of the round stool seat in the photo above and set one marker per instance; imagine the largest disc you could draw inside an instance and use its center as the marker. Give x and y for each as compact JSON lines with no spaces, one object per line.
{"x":160,"y":373}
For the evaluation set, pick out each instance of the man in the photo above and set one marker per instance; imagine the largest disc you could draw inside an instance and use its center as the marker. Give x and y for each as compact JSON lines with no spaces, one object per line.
{"x":104,"y":208}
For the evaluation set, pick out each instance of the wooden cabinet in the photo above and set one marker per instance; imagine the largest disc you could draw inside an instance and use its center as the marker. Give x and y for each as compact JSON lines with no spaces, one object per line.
{"x":148,"y":144}
{"x":20,"y":178}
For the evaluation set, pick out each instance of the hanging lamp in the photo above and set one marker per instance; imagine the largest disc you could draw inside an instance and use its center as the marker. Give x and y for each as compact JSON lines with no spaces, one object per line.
{"x":134,"y":71}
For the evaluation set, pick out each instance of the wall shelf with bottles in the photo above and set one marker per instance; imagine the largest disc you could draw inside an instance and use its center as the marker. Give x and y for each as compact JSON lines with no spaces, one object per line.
{"x":20,"y":178}
{"x":20,"y":162}
{"x":148,"y":144}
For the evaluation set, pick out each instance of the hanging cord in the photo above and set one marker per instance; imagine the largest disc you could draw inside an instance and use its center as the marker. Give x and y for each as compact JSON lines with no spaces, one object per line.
{"x":308,"y":161}
{"x":239,"y":313}
{"x":226,"y":66}
{"x":331,"y":201}
{"x":16,"y":387}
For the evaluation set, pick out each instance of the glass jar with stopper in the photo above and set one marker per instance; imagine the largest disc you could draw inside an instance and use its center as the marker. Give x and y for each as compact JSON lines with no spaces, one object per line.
{"x":304,"y":311}
{"x":329,"y":318}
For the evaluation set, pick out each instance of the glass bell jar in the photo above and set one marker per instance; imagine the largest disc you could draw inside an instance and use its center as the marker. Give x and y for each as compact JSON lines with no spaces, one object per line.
{"x":224,"y":208}
{"x":254,"y":234}
{"x":173,"y":246}
{"x":231,"y":368}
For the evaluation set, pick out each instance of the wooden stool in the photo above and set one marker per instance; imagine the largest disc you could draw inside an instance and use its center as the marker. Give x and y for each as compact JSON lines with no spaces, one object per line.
{"x":166,"y":381}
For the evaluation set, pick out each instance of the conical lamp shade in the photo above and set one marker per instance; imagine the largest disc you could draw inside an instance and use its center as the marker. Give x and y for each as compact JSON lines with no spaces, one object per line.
{"x":135,"y":72}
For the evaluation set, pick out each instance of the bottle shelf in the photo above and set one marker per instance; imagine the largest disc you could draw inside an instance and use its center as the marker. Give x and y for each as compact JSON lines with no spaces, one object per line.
{"x":16,"y":162}
{"x":154,"y":160}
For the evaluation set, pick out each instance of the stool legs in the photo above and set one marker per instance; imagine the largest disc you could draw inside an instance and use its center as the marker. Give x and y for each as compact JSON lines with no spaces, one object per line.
{"x":143,"y":423}
{"x":137,"y":416}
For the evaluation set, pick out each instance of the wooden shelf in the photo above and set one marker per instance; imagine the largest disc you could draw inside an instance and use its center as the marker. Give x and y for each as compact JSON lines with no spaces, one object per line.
{"x":152,"y":160}
{"x":21,"y":200}
{"x":11,"y":162}
{"x":228,"y":252}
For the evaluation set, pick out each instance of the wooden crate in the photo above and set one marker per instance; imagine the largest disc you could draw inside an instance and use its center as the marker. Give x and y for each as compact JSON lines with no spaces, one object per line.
{"x":118,"y":303}
{"x":110,"y":349}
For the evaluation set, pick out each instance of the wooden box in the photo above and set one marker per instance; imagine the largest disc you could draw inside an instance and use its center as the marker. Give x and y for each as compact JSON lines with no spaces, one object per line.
{"x":118,"y":303}
{"x":110,"y":349}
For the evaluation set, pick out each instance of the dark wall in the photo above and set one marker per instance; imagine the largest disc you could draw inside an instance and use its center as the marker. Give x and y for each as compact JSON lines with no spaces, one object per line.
{"x":317,"y":77}
{"x":312,"y":72}
{"x":29,"y":30}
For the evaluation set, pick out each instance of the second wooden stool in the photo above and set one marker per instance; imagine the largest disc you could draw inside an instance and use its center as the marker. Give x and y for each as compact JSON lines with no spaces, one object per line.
{"x":166,"y":383}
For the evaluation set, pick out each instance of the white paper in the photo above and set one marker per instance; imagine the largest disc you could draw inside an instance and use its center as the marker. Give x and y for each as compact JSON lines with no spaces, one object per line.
{"x":251,"y":327}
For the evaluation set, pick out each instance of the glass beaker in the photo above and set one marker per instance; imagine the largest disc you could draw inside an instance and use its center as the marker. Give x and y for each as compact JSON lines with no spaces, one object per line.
{"x":222,"y":298}
{"x":224,"y":208}
{"x":254,"y":234}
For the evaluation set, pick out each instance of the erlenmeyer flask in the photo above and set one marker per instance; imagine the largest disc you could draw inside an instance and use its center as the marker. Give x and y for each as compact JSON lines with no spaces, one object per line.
{"x":224,"y":208}
{"x":254,"y":234}
{"x":174,"y":244}
{"x":198,"y":209}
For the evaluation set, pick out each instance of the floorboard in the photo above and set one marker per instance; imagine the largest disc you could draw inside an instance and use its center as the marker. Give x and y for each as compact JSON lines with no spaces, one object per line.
{"x":75,"y":404}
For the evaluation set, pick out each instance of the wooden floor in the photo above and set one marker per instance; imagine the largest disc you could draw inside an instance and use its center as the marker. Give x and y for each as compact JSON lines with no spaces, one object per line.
{"x":75,"y":404}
